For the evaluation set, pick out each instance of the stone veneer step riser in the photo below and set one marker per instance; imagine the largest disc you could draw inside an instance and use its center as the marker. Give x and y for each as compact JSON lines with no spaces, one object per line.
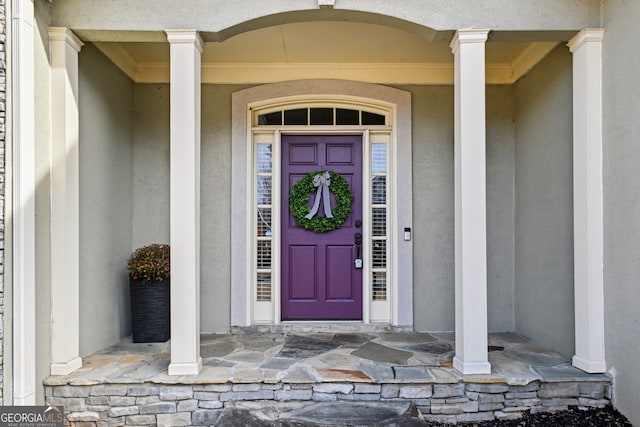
{"x":144,"y":404}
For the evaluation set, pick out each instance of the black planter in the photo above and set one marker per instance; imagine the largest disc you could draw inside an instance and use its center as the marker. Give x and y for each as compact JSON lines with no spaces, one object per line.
{"x":150,"y":310}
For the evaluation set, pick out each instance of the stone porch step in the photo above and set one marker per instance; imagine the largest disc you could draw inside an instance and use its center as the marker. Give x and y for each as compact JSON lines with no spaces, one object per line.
{"x":127,"y":384}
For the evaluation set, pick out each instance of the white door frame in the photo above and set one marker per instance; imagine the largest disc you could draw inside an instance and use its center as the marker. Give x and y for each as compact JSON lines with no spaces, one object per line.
{"x":398,"y":105}
{"x":277,"y":203}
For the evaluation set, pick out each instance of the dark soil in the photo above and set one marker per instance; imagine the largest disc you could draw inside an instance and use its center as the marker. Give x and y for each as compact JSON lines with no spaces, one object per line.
{"x":607,"y":417}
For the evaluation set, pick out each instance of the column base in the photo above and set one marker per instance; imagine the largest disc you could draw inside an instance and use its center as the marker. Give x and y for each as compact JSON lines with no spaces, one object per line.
{"x":589,"y":366}
{"x":66,"y":368}
{"x":192,"y":368}
{"x":473,"y":368}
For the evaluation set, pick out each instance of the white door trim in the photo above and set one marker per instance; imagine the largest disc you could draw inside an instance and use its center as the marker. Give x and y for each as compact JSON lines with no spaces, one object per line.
{"x":398,"y":104}
{"x":365,"y":217}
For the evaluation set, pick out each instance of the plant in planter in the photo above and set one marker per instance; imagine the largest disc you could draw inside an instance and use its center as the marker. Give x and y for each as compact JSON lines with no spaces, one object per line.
{"x":149,"y":270}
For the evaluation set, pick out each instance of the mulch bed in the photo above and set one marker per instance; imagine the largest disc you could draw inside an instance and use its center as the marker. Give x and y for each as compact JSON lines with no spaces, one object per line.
{"x":607,"y":417}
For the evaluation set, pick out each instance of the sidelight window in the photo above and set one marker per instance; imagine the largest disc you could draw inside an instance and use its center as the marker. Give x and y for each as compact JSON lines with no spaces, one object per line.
{"x":379,"y":223}
{"x":264,"y":206}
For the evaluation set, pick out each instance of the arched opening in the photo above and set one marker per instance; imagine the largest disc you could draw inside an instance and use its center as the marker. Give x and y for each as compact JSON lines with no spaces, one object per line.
{"x":380,"y":117}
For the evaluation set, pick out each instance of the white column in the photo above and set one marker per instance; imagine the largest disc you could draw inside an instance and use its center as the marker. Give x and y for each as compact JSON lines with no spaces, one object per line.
{"x":23,"y":180}
{"x":65,"y":202}
{"x":186,"y":49}
{"x":470,"y":203}
{"x":587,"y":201}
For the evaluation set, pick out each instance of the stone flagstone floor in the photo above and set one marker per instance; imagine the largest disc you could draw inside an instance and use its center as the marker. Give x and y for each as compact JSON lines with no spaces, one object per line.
{"x":128,"y":384}
{"x":254,"y":356}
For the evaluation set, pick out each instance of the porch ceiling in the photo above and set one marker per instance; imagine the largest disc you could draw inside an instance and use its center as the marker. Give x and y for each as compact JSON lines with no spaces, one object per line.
{"x":346,"y":50}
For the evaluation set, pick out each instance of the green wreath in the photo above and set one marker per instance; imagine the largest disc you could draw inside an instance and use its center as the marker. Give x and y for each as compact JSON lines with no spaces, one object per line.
{"x":299,"y":197}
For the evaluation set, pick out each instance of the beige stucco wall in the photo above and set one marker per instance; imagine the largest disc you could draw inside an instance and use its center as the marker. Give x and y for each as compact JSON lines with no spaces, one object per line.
{"x":151,"y":165}
{"x":621,"y":157}
{"x":433,"y":207}
{"x":544,"y":203}
{"x":106,"y":199}
{"x":501,"y":103}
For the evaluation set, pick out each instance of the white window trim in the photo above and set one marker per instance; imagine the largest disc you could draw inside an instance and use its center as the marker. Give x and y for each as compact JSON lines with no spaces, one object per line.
{"x":358,"y":95}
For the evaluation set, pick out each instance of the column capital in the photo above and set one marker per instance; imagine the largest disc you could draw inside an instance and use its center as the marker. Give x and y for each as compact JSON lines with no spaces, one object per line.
{"x":186,"y":37}
{"x":64,"y":34}
{"x":468,"y":36}
{"x":585,"y":36}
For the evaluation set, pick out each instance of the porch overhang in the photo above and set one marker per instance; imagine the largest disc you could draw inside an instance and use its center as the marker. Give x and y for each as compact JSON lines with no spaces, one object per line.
{"x":544,"y":15}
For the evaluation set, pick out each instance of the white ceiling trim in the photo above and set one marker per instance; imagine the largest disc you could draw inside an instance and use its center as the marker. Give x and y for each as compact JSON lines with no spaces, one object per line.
{"x":271,"y":73}
{"x":529,"y":57}
{"x":383,"y":73}
{"x":121,"y":57}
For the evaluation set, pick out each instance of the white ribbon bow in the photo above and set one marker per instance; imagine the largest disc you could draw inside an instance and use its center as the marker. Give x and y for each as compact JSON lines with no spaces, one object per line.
{"x":322,"y":182}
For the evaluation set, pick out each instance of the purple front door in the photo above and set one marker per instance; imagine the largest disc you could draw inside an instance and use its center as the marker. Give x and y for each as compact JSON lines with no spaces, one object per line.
{"x":319,"y":278}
